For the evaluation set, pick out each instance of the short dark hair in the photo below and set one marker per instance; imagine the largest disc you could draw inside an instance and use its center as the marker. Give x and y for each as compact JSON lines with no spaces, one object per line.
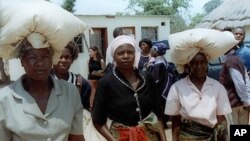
{"x":147,"y":41}
{"x":239,"y":27}
{"x":117,"y":31}
{"x":73,"y":49}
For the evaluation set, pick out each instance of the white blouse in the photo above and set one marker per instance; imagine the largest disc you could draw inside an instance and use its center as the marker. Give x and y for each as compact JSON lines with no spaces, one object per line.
{"x":201,"y":106}
{"x":22,"y":120}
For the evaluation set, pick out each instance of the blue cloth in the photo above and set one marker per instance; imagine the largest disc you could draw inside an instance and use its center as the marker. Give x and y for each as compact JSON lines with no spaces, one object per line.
{"x":244,"y":53}
{"x":160,"y":48}
{"x":162,"y":73}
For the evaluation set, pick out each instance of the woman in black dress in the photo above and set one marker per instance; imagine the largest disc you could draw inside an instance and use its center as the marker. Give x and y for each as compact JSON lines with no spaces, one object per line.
{"x":128,"y":97}
{"x":96,"y":66}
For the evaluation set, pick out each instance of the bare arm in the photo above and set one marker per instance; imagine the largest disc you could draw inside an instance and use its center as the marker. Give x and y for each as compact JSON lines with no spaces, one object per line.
{"x":222,"y":121}
{"x":103,"y":65}
{"x":162,"y":131}
{"x":101,"y":71}
{"x":76,"y":137}
{"x":222,"y":128}
{"x":176,"y":121}
{"x":103,"y":129}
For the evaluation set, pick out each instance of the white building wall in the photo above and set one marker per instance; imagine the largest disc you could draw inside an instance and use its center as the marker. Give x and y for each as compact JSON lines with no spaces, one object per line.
{"x":109,"y":22}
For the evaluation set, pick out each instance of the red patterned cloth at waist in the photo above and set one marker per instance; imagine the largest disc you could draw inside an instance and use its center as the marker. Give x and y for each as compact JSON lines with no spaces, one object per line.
{"x":146,"y":130}
{"x":132,"y":134}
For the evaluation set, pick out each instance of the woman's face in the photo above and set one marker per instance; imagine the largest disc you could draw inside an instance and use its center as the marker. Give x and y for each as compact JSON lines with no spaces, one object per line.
{"x":199,"y":65}
{"x":64,"y":62}
{"x":124,"y":56}
{"x":37,"y":63}
{"x":145,"y":47}
{"x":92,"y":53}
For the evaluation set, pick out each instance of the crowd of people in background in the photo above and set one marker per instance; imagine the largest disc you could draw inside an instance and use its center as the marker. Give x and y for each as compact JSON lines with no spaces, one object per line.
{"x":174,"y":93}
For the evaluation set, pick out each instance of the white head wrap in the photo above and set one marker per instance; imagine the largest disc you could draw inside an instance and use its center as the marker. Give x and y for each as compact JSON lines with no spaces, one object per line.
{"x":38,"y":41}
{"x":118,"y":41}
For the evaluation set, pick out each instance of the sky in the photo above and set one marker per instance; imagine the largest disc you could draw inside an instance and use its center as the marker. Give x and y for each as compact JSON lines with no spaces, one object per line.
{"x":110,"y":7}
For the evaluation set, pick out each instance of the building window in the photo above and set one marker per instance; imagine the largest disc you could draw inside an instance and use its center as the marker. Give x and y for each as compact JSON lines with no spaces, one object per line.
{"x":129,"y":31}
{"x":99,"y":39}
{"x":150,"y":33}
{"x":79,"y":42}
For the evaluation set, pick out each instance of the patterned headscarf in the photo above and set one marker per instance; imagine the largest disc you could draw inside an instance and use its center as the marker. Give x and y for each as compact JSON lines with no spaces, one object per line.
{"x":160,"y":48}
{"x":117,"y":42}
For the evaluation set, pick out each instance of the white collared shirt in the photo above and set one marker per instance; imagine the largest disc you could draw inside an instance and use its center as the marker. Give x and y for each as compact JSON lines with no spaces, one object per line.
{"x":242,"y":87}
{"x":21,"y":118}
{"x":201,"y":106}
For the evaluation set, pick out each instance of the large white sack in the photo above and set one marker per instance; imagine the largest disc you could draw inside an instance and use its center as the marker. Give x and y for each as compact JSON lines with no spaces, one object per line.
{"x":19,"y":18}
{"x":185,"y":45}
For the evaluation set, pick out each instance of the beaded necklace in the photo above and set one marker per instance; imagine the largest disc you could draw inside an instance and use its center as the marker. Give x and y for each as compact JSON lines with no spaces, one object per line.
{"x":138,"y":109}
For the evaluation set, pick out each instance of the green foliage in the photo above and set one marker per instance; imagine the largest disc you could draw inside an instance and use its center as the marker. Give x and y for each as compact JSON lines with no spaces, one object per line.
{"x":211,"y":5}
{"x":157,"y":7}
{"x":171,"y":8}
{"x":161,"y":7}
{"x":195,"y":20}
{"x":208,"y":7}
{"x":69,"y":5}
{"x":177,"y":24}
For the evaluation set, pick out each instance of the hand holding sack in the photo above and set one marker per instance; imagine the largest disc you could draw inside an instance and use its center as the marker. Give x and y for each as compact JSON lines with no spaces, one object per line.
{"x":20,"y":18}
{"x":185,"y":45}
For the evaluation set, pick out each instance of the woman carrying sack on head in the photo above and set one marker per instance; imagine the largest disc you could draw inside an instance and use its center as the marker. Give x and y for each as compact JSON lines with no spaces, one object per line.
{"x":197,"y":103}
{"x":37,"y":101}
{"x":38,"y":107}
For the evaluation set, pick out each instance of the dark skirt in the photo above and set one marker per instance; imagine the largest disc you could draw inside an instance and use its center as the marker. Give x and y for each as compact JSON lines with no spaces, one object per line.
{"x":194,"y":131}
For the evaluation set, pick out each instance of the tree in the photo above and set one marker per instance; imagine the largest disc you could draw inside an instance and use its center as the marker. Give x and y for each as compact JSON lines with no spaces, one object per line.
{"x":161,"y":7}
{"x":211,"y":5}
{"x":157,"y":7}
{"x":208,"y":7}
{"x":69,"y":5}
{"x":177,"y":23}
{"x":195,"y":20}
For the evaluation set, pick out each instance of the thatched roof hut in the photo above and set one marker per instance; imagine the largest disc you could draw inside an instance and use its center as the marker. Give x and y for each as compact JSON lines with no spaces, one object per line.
{"x":230,"y":13}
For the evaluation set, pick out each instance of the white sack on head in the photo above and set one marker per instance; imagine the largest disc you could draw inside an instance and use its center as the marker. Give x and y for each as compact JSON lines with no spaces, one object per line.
{"x":185,"y":45}
{"x":20,"y":18}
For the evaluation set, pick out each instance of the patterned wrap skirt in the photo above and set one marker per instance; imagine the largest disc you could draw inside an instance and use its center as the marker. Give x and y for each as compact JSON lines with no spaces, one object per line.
{"x":146,"y":130}
{"x":194,"y":131}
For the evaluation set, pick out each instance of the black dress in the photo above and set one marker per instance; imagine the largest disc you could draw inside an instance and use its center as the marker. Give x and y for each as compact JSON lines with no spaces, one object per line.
{"x":114,"y":99}
{"x":94,"y":65}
